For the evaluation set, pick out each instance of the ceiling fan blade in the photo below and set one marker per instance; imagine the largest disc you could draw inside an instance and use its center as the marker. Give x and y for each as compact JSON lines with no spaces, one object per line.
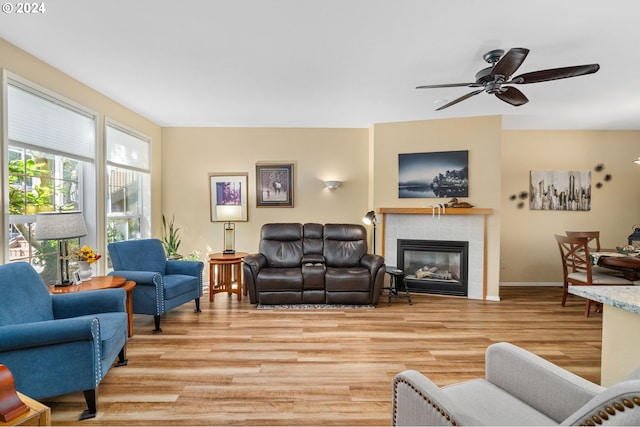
{"x":512,"y":96}
{"x":448,"y":85}
{"x":555,"y":74}
{"x":510,"y":62}
{"x":462,"y":98}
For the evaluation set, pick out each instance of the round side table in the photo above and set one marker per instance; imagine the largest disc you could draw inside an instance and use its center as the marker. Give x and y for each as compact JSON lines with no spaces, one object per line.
{"x":221,"y":273}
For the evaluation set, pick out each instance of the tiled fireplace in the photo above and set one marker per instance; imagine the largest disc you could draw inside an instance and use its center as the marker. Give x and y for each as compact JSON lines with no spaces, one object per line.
{"x":423,"y":225}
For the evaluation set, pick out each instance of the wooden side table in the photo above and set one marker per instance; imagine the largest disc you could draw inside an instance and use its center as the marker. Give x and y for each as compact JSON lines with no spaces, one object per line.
{"x":221,"y":273}
{"x":103,"y":282}
{"x":38,"y":415}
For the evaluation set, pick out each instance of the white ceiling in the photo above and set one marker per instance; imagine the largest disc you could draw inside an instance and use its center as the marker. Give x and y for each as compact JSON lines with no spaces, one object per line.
{"x":339,"y":63}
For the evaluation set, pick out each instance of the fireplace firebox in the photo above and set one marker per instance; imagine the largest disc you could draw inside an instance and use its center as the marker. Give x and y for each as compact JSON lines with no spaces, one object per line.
{"x":434,"y":266}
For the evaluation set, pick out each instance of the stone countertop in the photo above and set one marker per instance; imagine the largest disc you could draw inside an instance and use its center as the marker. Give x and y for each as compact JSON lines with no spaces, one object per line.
{"x":624,"y":297}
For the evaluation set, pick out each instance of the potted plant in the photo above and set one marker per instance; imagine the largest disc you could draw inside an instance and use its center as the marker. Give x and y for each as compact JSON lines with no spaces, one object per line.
{"x":170,"y":238}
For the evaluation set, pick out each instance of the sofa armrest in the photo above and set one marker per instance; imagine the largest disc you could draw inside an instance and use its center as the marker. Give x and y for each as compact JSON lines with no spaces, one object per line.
{"x":140,"y":277}
{"x":86,"y":303}
{"x":550,"y":389}
{"x":416,"y":400}
{"x":255,"y":262}
{"x":188,"y":268}
{"x":372,"y":262}
{"x":48,"y":332}
{"x":312,"y":259}
{"x":620,"y":405}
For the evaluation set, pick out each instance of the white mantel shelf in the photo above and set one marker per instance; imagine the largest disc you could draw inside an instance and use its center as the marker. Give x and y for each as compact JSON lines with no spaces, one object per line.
{"x":430,"y":211}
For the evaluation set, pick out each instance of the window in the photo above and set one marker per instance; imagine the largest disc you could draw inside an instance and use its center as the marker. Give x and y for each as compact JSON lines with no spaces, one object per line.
{"x":51,"y":150}
{"x":128,"y":184}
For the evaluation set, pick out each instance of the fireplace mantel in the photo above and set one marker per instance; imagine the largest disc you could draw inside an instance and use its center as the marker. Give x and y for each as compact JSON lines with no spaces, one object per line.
{"x":436,"y":210}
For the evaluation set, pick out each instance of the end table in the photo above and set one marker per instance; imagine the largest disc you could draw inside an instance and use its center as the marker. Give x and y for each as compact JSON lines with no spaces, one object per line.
{"x":221,"y":273}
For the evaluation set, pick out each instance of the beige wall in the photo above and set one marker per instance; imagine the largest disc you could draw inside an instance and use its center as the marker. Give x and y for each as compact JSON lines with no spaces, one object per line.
{"x":529,"y":251}
{"x":480,"y":135}
{"x":20,"y":63}
{"x":190,"y":154}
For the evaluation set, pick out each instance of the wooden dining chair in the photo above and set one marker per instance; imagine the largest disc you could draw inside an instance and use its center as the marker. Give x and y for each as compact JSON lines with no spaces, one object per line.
{"x":593,"y":238}
{"x":577,"y":268}
{"x":593,"y":241}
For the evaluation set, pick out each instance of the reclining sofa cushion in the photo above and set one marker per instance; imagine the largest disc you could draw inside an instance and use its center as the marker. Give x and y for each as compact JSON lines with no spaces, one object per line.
{"x":313,"y":264}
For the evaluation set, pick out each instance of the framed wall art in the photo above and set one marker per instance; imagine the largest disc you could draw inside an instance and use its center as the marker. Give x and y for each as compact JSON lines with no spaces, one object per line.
{"x":560,"y":190}
{"x":432,"y":175}
{"x":228,"y":196}
{"x":274,"y":185}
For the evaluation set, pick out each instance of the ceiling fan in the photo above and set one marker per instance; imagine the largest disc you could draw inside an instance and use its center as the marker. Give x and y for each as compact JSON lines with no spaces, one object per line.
{"x":492,"y":78}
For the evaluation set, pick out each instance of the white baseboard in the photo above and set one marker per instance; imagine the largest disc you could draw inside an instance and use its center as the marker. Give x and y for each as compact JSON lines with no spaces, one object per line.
{"x":530,"y":284}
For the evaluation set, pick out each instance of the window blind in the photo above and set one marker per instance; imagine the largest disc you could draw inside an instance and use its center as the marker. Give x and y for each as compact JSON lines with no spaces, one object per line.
{"x":38,"y":120}
{"x":126,"y":149}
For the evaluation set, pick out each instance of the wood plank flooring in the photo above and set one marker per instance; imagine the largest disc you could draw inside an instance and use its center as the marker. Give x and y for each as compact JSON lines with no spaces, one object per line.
{"x":235,"y":365}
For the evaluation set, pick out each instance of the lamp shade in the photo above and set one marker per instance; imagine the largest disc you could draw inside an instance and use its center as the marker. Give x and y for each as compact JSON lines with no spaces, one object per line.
{"x":60,"y":225}
{"x":229,"y":212}
{"x":369,"y":218}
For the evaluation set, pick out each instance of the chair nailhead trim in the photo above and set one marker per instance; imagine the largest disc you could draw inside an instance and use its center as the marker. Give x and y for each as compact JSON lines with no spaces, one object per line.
{"x":446,"y":415}
{"x":612,"y":411}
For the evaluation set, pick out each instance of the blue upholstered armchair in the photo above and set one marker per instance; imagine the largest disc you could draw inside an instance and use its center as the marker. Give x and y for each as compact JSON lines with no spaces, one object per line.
{"x":161,"y":284}
{"x":59,"y":344}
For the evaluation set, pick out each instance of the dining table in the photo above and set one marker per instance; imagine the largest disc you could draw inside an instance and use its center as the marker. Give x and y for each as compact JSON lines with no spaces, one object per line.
{"x":627,"y":263}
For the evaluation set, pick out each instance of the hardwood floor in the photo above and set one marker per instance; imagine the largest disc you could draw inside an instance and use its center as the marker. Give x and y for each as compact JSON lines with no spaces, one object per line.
{"x":235,"y":365}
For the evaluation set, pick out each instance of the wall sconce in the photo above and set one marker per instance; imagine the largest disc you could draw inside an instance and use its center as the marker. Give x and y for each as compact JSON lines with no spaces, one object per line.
{"x":332,"y":185}
{"x":229,"y":213}
{"x":637,"y":161}
{"x":370,"y":219}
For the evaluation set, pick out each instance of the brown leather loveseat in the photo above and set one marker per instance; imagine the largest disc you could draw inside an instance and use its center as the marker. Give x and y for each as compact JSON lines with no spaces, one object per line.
{"x":313,"y":264}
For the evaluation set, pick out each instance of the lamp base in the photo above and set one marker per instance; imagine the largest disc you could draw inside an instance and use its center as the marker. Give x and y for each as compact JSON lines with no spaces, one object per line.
{"x":63,"y":284}
{"x":229,"y":251}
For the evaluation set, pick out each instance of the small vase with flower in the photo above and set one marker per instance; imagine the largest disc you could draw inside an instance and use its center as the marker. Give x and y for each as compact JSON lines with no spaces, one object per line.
{"x":86,"y":256}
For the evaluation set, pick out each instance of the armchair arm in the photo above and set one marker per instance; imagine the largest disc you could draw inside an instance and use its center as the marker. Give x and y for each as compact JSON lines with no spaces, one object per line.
{"x":188,"y":268}
{"x":48,"y":332}
{"x":140,"y":277}
{"x":84,"y":303}
{"x":620,"y":404}
{"x":541,"y":384}
{"x":417,"y":401}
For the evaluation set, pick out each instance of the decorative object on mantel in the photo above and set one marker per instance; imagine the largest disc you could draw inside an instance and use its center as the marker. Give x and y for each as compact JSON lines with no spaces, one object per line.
{"x":455,"y":203}
{"x":10,"y":404}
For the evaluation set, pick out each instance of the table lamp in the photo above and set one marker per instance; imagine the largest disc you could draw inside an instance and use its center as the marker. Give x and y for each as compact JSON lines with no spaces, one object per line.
{"x":229,"y":213}
{"x":61,"y":226}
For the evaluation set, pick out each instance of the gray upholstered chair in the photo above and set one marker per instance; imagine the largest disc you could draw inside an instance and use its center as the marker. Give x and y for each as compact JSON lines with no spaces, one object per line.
{"x":59,"y":344}
{"x":161,"y":284}
{"x":520,"y":388}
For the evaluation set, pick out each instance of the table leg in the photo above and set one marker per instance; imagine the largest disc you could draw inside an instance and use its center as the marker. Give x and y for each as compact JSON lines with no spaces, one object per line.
{"x":128,"y":287}
{"x":239,"y":281}
{"x":211,"y":281}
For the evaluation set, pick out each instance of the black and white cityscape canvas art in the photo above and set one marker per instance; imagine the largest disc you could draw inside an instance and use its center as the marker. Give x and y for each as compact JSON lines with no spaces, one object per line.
{"x":433,"y":175}
{"x":560,"y":190}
